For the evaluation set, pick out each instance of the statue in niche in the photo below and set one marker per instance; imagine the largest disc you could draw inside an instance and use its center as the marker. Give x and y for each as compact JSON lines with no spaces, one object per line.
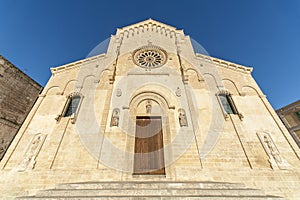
{"x":178,"y":92}
{"x":31,"y":153}
{"x":182,"y":118}
{"x":275,"y":158}
{"x":119,"y":93}
{"x":273,"y":151}
{"x":115,"y":117}
{"x":148,"y":107}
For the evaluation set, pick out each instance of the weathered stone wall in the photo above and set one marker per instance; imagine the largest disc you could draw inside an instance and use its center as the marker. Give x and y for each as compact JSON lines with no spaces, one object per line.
{"x":18,"y":93}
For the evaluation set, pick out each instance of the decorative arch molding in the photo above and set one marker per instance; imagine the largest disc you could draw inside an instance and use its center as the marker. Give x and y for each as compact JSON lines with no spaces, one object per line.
{"x":158,"y":90}
{"x":232,"y":83}
{"x":67,"y":84}
{"x":154,"y":96}
{"x":132,"y":111}
{"x":212,"y":76}
{"x":110,"y":75}
{"x":84,"y":79}
{"x":200,"y":78}
{"x":250,"y":88}
{"x":51,"y":89}
{"x":105,"y":70}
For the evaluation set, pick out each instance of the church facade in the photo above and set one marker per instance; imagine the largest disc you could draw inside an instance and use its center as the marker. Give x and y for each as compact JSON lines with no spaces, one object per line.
{"x":151,"y":109}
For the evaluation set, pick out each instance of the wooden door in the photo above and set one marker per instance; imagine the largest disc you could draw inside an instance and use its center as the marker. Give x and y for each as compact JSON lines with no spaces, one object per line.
{"x":149,"y":154}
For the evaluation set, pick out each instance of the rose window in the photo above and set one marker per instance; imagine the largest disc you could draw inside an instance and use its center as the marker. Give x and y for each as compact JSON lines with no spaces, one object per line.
{"x":149,"y":57}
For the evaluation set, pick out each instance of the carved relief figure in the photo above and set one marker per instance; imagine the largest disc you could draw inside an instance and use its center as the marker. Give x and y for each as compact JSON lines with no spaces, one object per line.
{"x":115,"y":117}
{"x":31,"y":153}
{"x":273,"y":151}
{"x":178,"y":92}
{"x":119,"y":92}
{"x":275,"y":158}
{"x":182,"y":118}
{"x":148,"y":107}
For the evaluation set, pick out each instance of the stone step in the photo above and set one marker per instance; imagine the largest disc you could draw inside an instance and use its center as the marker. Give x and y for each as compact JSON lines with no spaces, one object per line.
{"x":149,"y":192}
{"x":154,"y":198}
{"x":150,"y":185}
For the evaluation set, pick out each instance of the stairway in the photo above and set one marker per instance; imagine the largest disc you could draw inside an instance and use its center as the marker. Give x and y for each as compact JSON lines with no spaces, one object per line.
{"x":150,"y":190}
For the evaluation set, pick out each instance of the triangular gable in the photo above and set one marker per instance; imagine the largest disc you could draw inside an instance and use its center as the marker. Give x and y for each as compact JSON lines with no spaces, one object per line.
{"x":148,"y":23}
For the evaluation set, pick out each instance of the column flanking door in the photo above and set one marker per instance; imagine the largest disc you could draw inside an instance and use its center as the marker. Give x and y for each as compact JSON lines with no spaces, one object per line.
{"x":149,"y":153}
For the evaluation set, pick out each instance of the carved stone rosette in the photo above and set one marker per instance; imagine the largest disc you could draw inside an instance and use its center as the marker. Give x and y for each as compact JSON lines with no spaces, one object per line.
{"x":149,"y":57}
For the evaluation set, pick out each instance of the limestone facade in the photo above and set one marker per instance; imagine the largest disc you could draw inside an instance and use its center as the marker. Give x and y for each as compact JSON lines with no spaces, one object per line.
{"x":18,"y":93}
{"x":217,"y":125}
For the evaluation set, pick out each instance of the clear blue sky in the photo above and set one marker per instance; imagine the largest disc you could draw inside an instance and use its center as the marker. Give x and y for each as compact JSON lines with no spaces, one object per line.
{"x":36,"y":35}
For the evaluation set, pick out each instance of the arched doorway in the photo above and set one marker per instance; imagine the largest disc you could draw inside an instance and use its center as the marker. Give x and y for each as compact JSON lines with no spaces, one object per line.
{"x":149,"y":115}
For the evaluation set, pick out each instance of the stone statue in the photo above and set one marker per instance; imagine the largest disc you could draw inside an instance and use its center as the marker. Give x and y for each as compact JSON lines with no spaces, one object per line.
{"x":119,"y":93}
{"x":115,"y":118}
{"x":148,"y":107}
{"x":178,"y":92}
{"x":273,"y":151}
{"x":182,"y":118}
{"x":34,"y":145}
{"x":275,"y":159}
{"x":31,"y":153}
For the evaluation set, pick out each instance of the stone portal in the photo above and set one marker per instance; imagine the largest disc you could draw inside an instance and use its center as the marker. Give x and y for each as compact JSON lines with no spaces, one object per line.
{"x":149,"y":153}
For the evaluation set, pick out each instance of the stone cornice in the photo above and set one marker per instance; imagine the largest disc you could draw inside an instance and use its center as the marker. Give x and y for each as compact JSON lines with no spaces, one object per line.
{"x":76,"y":64}
{"x":225,"y":64}
{"x":148,"y":25}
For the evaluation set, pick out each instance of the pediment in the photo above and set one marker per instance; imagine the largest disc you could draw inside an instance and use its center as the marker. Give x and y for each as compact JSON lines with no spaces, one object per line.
{"x":149,"y":23}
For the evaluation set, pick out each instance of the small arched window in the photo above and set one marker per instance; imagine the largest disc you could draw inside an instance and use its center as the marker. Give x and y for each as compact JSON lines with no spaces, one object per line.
{"x":72,"y":105}
{"x":227,"y":103}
